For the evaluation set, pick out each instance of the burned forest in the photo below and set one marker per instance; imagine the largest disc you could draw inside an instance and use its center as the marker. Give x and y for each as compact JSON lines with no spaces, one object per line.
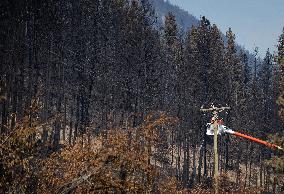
{"x":96,"y":97}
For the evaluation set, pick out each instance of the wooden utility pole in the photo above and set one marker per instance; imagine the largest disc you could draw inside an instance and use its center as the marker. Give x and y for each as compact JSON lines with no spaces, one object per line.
{"x":214,"y":119}
{"x":216,"y":159}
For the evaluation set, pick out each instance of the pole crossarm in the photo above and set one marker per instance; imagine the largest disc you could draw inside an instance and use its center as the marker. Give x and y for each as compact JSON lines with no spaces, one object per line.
{"x":213,"y":108}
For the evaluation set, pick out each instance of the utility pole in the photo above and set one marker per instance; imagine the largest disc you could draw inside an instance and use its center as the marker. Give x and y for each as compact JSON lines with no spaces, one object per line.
{"x":215,"y":111}
{"x":216,"y":127}
{"x":216,"y":158}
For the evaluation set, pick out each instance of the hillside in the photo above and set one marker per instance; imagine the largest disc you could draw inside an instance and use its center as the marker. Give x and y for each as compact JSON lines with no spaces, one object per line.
{"x":184,"y":19}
